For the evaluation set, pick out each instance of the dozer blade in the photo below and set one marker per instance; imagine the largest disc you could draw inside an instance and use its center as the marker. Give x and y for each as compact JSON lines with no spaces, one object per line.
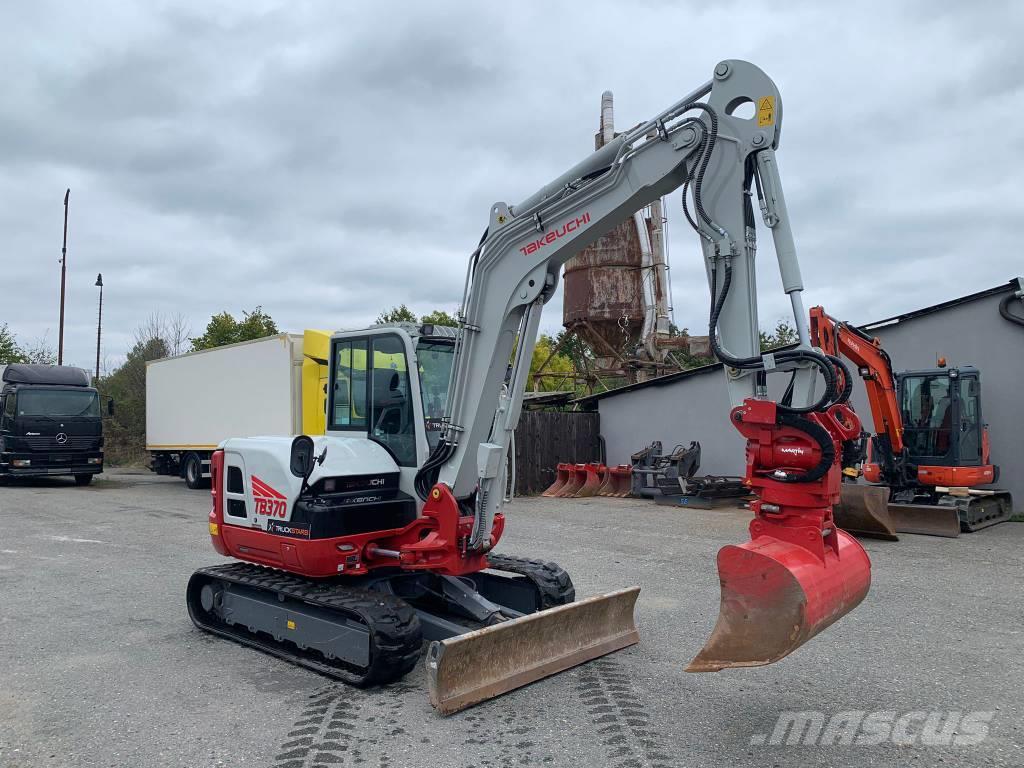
{"x":926,"y":519}
{"x":479,"y":665}
{"x":776,"y":596}
{"x":863,"y":510}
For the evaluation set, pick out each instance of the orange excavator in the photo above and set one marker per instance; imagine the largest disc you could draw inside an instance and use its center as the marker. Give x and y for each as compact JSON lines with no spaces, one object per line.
{"x":930,"y":449}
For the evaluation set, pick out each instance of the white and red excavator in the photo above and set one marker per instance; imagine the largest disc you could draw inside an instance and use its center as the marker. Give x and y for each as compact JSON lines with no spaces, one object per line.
{"x":360,"y":544}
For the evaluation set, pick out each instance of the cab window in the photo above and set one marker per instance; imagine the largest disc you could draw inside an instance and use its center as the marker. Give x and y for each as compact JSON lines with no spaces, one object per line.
{"x":927,"y":415}
{"x":7,"y":414}
{"x":391,"y":412}
{"x":348,"y":391}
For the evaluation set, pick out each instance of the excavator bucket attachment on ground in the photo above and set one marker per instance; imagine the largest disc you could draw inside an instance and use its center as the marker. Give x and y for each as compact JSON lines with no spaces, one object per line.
{"x":577,"y":477}
{"x":776,"y":596}
{"x":479,"y":665}
{"x":863,"y":510}
{"x":622,"y":480}
{"x":561,"y":478}
{"x":926,"y":519}
{"x":591,"y":482}
{"x":607,"y":487}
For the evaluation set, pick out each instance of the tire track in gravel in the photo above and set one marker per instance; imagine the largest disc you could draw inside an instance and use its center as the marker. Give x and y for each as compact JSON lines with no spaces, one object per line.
{"x":620,"y":718}
{"x":322,"y":734}
{"x":343,"y":726}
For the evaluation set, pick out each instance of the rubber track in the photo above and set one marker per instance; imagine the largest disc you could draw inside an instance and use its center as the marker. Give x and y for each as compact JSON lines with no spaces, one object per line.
{"x":551,"y":580}
{"x":980,"y":514}
{"x":395,"y":634}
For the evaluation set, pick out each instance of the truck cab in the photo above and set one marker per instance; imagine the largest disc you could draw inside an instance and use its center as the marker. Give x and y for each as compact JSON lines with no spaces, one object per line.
{"x":50,"y":423}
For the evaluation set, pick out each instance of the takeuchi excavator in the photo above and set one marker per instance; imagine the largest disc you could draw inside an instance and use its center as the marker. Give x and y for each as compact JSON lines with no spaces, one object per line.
{"x":360,"y":544}
{"x":930,"y":449}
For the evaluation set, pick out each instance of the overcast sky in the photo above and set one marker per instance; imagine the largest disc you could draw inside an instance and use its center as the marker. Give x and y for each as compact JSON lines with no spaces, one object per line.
{"x":329,"y":160}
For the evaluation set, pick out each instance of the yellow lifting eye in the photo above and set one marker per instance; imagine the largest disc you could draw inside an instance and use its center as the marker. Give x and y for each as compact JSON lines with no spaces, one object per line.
{"x":435,"y":494}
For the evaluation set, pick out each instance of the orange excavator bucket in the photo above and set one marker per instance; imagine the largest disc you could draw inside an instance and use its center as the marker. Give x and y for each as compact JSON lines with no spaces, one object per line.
{"x":777,"y":595}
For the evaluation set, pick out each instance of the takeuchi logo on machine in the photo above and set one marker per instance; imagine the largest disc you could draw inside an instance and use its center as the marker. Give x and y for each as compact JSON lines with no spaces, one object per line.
{"x":554,"y":234}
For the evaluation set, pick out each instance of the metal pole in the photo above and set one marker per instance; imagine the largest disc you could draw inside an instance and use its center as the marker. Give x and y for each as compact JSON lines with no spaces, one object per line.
{"x":63,"y":274}
{"x":99,"y":324}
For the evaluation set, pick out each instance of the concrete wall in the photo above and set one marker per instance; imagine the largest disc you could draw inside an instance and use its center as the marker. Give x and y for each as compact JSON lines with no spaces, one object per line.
{"x":696,"y":407}
{"x":692,"y":408}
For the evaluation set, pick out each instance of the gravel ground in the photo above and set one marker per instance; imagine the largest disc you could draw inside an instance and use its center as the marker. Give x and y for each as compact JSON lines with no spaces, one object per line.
{"x":100,"y":665}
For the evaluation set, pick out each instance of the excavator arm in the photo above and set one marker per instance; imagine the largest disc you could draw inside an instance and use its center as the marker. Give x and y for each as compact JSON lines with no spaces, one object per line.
{"x":798,"y":573}
{"x":840,"y":339}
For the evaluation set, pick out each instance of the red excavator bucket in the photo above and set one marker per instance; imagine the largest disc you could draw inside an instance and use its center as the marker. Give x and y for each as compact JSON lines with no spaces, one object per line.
{"x":607,"y":487}
{"x":622,"y":477}
{"x":592,"y":480}
{"x":577,"y":477}
{"x":777,"y":595}
{"x":561,"y":478}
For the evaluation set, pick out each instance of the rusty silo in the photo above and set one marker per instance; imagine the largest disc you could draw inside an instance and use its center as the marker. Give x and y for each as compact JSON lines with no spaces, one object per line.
{"x":604,"y":301}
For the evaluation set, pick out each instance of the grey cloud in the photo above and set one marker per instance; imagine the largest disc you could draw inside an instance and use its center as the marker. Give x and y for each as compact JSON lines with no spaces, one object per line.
{"x":328,"y":160}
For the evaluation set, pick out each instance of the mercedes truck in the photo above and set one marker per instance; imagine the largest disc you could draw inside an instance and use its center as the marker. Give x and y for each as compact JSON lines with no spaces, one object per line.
{"x":50,"y":423}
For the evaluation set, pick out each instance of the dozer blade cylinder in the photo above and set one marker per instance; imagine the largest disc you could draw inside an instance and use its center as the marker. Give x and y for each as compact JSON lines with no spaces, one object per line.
{"x":479,"y":665}
{"x":776,"y":596}
{"x":926,"y":519}
{"x":863,"y":510}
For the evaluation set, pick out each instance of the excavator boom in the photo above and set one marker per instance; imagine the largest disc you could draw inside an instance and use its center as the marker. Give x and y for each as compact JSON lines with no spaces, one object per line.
{"x":799,"y":572}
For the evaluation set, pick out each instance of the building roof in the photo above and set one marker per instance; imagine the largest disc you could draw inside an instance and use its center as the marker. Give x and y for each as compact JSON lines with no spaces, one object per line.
{"x":659,"y":381}
{"x":1014,"y":284}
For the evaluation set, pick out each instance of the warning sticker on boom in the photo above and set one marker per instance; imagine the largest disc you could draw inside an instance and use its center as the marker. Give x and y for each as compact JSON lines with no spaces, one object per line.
{"x":766,"y":111}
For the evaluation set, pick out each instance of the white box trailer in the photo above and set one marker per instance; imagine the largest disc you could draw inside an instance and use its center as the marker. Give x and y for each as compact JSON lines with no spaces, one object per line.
{"x":196,"y":400}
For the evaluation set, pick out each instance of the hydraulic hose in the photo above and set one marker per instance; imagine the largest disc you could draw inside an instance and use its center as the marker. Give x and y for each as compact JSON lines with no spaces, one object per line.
{"x":844,"y":396}
{"x":756,"y":362}
{"x":824,"y":440}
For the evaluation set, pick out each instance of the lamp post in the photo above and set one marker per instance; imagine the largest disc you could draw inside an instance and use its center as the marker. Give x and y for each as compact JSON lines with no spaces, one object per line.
{"x":99,"y":323}
{"x":63,"y":273}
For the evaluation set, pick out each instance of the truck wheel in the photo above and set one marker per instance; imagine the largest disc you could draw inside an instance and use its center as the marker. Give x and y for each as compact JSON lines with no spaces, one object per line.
{"x":83,"y":479}
{"x":193,"y":471}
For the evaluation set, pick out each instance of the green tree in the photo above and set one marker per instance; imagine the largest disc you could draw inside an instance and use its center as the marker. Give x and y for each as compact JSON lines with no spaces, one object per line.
{"x":125,"y":431}
{"x":10,"y":352}
{"x":440,"y":317}
{"x":399,"y":314}
{"x":561,"y":365}
{"x":784,"y":335}
{"x":224,"y":329}
{"x":40,"y":352}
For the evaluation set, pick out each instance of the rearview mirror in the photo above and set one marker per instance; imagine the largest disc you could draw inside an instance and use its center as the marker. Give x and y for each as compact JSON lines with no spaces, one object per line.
{"x":301,"y":461}
{"x":110,"y":407}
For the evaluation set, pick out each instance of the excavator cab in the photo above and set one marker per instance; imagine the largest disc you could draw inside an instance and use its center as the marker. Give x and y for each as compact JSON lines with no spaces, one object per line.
{"x":941,"y":409}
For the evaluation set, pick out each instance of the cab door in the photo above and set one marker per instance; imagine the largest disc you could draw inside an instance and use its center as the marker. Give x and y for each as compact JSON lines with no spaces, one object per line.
{"x":927,"y":410}
{"x":967,"y":400}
